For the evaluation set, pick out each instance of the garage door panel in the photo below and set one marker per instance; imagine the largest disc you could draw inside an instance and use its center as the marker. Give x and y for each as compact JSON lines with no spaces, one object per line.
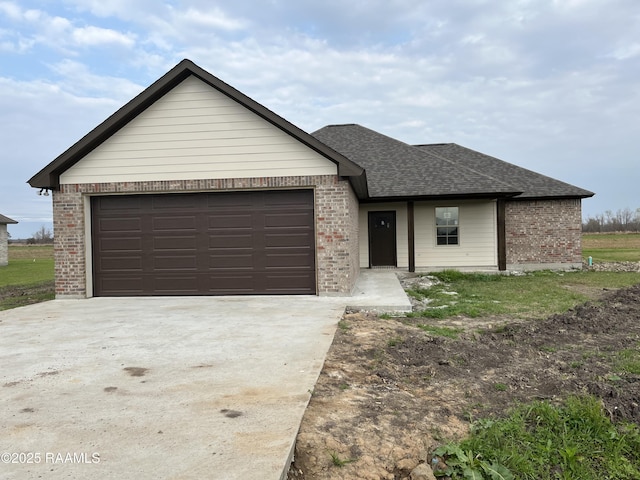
{"x":118,"y":244}
{"x":178,"y":263}
{"x":279,"y":284}
{"x":300,"y":239}
{"x":121,"y":264}
{"x":237,"y":261}
{"x":287,"y":261}
{"x":121,"y":203}
{"x":230,"y":243}
{"x":223,"y":240}
{"x":231,"y":220}
{"x":175,"y":223}
{"x":288,"y":220}
{"x":165,"y":203}
{"x":121,"y":224}
{"x":175,"y":243}
{"x":175,"y":284}
{"x":122,"y":285}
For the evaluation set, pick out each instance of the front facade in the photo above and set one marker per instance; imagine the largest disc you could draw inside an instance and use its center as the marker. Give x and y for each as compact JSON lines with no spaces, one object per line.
{"x":194,"y":189}
{"x":4,"y":240}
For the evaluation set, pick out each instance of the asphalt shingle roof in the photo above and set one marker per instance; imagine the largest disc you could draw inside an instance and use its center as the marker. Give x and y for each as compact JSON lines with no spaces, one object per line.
{"x":532,"y":184}
{"x":6,"y":220}
{"x":395,"y":169}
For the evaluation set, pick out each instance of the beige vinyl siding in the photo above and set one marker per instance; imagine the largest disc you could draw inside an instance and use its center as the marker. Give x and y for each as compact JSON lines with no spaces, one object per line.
{"x":402,"y":242}
{"x":478,"y":236}
{"x":196,"y":132}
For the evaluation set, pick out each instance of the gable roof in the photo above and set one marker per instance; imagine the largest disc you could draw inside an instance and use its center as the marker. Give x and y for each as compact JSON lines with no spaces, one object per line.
{"x":6,"y":220}
{"x":49,"y":176}
{"x":532,"y":184}
{"x":395,"y":169}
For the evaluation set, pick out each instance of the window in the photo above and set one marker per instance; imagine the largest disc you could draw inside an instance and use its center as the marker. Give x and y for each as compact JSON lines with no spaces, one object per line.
{"x":447,"y":230}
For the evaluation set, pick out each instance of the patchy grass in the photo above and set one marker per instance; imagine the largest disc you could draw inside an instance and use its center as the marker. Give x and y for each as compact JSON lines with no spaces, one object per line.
{"x":628,"y":360}
{"x":611,"y":247}
{"x":28,"y":278}
{"x":543,"y":441}
{"x":441,"y":331}
{"x":534,"y":295}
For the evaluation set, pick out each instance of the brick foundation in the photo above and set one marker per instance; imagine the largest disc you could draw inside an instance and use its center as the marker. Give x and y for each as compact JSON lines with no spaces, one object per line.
{"x":543,"y":234}
{"x":336,"y":209}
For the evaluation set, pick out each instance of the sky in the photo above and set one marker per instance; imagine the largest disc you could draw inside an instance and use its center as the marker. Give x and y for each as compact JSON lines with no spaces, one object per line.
{"x":549,"y":85}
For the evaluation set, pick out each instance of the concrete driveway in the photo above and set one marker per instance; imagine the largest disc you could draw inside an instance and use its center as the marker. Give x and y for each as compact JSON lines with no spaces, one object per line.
{"x":162,"y":388}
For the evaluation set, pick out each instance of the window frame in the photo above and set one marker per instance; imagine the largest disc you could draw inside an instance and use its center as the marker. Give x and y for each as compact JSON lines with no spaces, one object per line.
{"x":454,"y":225}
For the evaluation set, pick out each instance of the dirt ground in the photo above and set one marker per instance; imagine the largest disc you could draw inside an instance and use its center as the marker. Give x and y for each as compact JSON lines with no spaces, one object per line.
{"x":390,"y":393}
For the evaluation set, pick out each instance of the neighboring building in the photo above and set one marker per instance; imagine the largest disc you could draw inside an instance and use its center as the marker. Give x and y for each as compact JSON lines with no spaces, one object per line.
{"x":4,"y":240}
{"x":193,"y":188}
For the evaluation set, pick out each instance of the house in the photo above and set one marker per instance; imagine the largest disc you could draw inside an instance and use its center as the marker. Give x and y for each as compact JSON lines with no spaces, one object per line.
{"x":193,"y":188}
{"x":4,"y":240}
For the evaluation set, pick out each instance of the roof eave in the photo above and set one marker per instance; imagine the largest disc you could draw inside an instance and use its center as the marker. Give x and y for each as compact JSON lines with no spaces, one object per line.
{"x":553,"y":197}
{"x":445,"y":197}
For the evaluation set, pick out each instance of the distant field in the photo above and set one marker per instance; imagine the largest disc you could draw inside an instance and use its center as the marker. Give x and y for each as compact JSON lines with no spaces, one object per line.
{"x":611,"y":247}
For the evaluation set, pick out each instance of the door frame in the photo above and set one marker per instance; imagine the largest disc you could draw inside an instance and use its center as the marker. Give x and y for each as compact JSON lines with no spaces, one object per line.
{"x":370,"y":231}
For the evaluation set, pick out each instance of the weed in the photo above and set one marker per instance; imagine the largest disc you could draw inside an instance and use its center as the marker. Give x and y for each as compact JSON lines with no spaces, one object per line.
{"x":441,"y":331}
{"x":628,"y":361}
{"x":548,"y":349}
{"x":500,"y":387}
{"x":394,"y":341}
{"x":344,"y":326}
{"x":542,"y":441}
{"x":467,"y":464}
{"x":338,"y":461}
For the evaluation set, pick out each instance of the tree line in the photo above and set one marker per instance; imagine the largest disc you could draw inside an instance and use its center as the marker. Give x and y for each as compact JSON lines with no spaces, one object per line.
{"x":623,"y":220}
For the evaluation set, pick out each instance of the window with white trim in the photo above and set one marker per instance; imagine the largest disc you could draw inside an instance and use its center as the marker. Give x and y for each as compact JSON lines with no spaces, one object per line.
{"x":447,"y":228}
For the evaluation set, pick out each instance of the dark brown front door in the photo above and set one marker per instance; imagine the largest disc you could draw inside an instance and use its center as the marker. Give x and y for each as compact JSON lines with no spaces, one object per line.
{"x":204,"y":243}
{"x":382,"y":239}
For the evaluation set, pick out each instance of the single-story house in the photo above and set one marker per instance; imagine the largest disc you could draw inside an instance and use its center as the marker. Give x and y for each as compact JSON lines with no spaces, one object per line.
{"x":4,"y":240}
{"x":193,"y":188}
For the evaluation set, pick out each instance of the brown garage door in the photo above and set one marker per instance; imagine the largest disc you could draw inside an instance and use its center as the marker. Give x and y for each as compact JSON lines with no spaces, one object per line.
{"x":236,"y":243}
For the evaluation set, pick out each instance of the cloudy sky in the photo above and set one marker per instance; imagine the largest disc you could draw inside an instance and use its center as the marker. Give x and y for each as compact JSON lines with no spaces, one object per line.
{"x":550,"y":85}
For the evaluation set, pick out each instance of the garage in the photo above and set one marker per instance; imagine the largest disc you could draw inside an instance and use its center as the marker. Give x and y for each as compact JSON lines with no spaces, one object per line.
{"x":223,"y":243}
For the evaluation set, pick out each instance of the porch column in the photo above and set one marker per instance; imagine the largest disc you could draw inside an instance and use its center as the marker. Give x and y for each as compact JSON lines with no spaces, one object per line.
{"x":410,"y":236}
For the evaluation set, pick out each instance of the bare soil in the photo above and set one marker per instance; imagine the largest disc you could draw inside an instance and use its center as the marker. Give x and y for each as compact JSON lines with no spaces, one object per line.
{"x":390,"y":393}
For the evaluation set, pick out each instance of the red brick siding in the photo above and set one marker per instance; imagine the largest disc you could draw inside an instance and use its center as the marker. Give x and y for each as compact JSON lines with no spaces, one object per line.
{"x":336,"y":229}
{"x":544,"y":231}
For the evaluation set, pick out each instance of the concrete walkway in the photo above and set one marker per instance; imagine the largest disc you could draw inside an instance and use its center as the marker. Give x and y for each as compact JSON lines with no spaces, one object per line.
{"x":165,"y":387}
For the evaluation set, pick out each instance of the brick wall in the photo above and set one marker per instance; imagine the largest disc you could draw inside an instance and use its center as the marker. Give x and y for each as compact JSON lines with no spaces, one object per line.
{"x":4,"y":251}
{"x":543,"y":233}
{"x":337,"y":238}
{"x":336,"y":225}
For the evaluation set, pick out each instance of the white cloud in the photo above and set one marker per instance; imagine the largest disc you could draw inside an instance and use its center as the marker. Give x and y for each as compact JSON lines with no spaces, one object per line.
{"x":212,"y":18}
{"x":78,"y":79}
{"x":91,"y":36}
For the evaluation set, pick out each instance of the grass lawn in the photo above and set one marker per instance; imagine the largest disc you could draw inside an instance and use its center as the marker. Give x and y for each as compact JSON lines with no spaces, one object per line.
{"x":534,"y":295}
{"x":29,"y":276}
{"x":611,"y":247}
